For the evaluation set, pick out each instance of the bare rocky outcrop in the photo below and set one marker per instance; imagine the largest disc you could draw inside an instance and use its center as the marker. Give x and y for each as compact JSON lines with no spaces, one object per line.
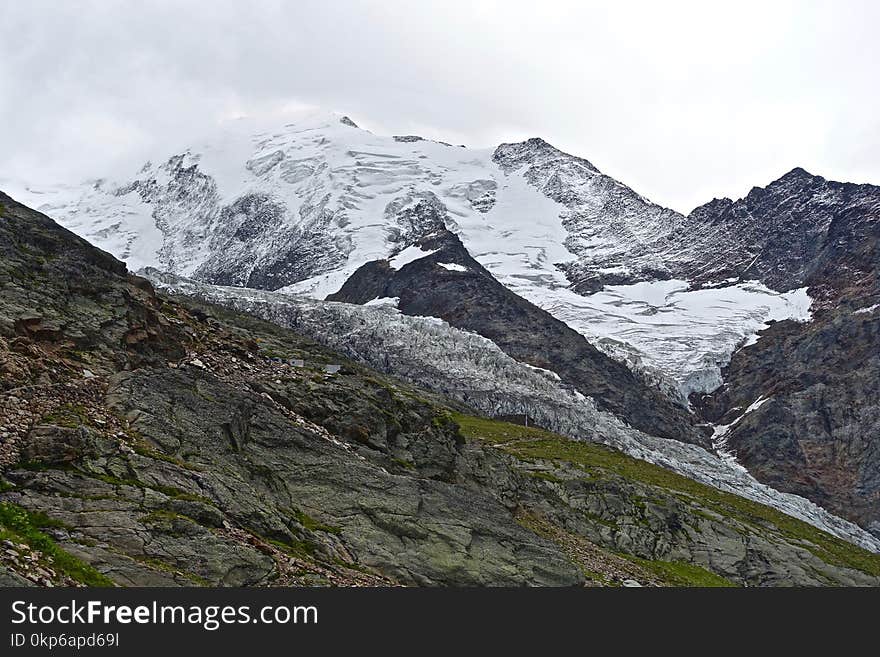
{"x":814,"y":430}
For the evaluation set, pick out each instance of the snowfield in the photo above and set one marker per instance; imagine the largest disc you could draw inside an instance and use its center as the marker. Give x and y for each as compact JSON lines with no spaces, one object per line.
{"x":677,"y":337}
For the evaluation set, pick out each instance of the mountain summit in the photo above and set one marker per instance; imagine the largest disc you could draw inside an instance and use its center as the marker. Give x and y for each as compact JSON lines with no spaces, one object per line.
{"x":302,"y":206}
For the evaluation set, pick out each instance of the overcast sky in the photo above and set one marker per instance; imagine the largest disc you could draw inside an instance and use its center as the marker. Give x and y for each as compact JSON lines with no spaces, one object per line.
{"x":683,"y":101}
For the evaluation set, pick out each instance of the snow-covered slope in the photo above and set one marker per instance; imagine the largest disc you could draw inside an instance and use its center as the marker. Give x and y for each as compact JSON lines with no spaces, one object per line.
{"x":471,"y":369}
{"x":676,"y":337}
{"x":301,"y":206}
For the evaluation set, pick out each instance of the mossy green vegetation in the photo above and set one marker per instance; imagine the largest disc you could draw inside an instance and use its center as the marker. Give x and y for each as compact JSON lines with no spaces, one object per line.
{"x":295,"y":548}
{"x":21,"y":526}
{"x":443,"y":420}
{"x":70,"y":416}
{"x":144,"y":449}
{"x":545,"y":476}
{"x":681,"y":573}
{"x":598,"y":461}
{"x":313,"y":525}
{"x":157,"y":564}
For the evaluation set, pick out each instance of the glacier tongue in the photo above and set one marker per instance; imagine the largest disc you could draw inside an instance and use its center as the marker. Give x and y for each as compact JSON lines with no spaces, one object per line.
{"x":473,"y":370}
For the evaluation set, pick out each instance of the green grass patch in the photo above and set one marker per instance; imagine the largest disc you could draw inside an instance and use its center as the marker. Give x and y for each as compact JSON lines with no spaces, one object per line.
{"x":70,"y":416}
{"x":313,"y":525}
{"x":443,"y":420}
{"x":22,"y":526}
{"x":297,"y":549}
{"x":528,"y":443}
{"x":545,"y":476}
{"x":164,"y":516}
{"x":159,"y":515}
{"x":681,"y":573}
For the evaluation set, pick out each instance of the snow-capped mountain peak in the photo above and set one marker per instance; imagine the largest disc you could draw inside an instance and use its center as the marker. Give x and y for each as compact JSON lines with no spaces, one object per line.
{"x":301,"y":205}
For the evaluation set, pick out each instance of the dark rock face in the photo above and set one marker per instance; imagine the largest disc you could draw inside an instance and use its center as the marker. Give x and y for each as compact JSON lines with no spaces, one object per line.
{"x":475,"y":301}
{"x":817,"y":435}
{"x":408,"y":225}
{"x":254,"y":214}
{"x":49,"y":445}
{"x":92,"y":304}
{"x":799,"y":230}
{"x":242,"y":259}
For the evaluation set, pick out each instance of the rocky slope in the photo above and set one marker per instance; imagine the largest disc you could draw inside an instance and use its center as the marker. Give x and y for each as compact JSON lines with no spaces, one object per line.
{"x":800,"y":410}
{"x":472,"y":370}
{"x":800,"y":406}
{"x":149,"y":441}
{"x":799,"y":230}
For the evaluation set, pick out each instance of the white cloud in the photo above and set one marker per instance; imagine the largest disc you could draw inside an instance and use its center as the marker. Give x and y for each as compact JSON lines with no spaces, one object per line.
{"x":684,"y":101}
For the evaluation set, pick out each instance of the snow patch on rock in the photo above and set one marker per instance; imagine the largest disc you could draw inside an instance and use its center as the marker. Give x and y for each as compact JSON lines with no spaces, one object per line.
{"x":721,"y":431}
{"x":389,"y":302}
{"x":408,"y":255}
{"x":452,"y":266}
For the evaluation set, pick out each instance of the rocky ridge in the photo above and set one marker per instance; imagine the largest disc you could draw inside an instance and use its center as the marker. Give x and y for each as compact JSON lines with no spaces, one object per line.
{"x":799,"y":407}
{"x":447,"y":283}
